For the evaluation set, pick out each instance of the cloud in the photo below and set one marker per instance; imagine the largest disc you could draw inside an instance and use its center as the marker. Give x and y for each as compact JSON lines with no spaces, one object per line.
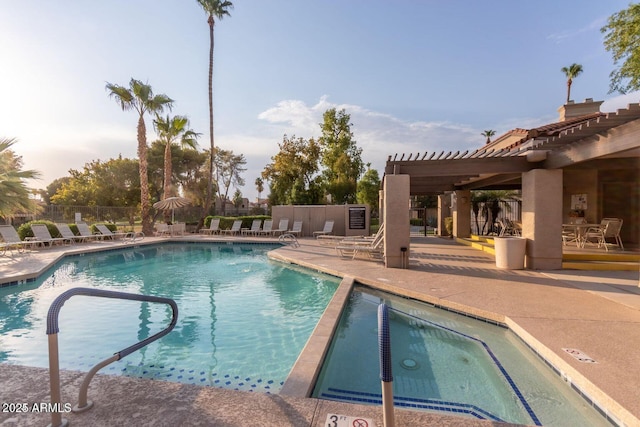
{"x":380,"y":135}
{"x":569,"y":34}
{"x":620,"y":101}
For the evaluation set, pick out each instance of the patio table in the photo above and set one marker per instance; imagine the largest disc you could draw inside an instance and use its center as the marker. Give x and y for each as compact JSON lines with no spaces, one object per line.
{"x":579,"y":230}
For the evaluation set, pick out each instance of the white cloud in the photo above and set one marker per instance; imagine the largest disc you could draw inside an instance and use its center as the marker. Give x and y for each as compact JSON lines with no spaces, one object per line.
{"x":571,"y":33}
{"x":621,"y":101}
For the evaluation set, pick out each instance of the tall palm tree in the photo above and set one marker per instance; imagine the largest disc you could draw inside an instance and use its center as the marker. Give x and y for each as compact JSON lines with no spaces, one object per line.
{"x":14,"y":194}
{"x":260,"y":187}
{"x":139,"y":97}
{"x":214,"y":9}
{"x":571,"y":72}
{"x":488,"y":134}
{"x":170,"y":131}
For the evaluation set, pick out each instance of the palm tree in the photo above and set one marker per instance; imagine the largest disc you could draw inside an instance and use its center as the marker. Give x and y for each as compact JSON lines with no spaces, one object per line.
{"x":170,"y":131}
{"x":139,"y":97}
{"x":260,"y":187}
{"x":214,"y":9}
{"x":14,"y":194}
{"x":571,"y":72}
{"x":488,"y":134}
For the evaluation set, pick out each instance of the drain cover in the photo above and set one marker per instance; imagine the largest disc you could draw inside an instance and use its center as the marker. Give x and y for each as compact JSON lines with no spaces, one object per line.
{"x":579,"y":355}
{"x":409,"y":364}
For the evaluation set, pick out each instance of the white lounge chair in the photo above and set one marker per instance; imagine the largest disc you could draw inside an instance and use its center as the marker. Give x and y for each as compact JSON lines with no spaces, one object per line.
{"x":214,"y":227}
{"x":283,"y":226}
{"x":267,"y":228}
{"x":66,"y":232}
{"x":235,"y":228}
{"x":373,"y":248}
{"x":43,"y":237}
{"x":328,"y":229}
{"x":104,"y":230}
{"x":255,"y":227}
{"x":11,"y":240}
{"x":296,"y":230}
{"x":85,"y":232}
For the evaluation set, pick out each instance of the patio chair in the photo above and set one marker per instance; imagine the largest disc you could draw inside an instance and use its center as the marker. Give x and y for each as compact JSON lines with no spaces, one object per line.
{"x":267,"y":228}
{"x":162,"y":229}
{"x":328,"y":229}
{"x":508,"y":227}
{"x":283,"y":226}
{"x":104,"y":230}
{"x":43,"y":237}
{"x":85,"y":232}
{"x":255,"y":227}
{"x":609,"y":228}
{"x":66,"y":232}
{"x":11,"y":240}
{"x":296,"y":230}
{"x":214,"y":227}
{"x":373,"y":248}
{"x":235,"y":228}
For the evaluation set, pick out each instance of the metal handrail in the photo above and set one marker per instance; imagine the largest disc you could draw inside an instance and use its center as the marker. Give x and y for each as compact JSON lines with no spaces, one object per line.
{"x":52,"y":332}
{"x":386,"y":375}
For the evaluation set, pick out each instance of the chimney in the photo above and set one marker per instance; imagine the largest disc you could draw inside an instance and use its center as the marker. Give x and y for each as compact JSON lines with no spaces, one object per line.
{"x":571,"y":109}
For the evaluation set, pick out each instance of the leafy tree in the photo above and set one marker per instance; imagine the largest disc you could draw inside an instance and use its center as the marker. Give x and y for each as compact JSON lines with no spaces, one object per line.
{"x":341,"y":158}
{"x":52,"y":189}
{"x":293,"y":173}
{"x":14,"y":193}
{"x":488,"y":134}
{"x":139,"y":97}
{"x":572,"y":71}
{"x":115,"y":182}
{"x":237,"y":200}
{"x":622,"y":39}
{"x":170,"y":131}
{"x":228,"y":167}
{"x":368,"y":189}
{"x":486,"y":203}
{"x":214,"y":9}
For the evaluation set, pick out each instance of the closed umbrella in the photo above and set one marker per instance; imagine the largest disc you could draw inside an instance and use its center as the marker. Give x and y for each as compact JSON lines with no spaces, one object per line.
{"x":171,"y":203}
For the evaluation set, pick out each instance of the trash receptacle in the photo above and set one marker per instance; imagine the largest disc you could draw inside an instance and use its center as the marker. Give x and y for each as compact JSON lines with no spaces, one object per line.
{"x":510,"y":252}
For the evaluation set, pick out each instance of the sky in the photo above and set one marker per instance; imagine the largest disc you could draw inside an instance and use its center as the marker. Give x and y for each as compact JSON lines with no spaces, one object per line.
{"x":414,"y":75}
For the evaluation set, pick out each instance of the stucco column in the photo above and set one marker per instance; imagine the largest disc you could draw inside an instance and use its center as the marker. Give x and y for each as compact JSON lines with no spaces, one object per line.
{"x":396,"y":221}
{"x":444,"y":210}
{"x":542,"y":218}
{"x":461,"y":213}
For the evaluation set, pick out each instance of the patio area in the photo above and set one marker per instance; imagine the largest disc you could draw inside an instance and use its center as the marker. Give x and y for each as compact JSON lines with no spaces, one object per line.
{"x":597,"y":312}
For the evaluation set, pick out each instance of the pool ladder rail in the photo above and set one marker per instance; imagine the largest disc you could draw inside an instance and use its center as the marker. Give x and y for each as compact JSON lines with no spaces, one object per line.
{"x":52,"y":332}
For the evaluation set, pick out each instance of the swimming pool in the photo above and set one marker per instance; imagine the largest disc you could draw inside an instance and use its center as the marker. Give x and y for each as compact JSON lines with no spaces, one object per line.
{"x":242,"y":322}
{"x":445,"y":362}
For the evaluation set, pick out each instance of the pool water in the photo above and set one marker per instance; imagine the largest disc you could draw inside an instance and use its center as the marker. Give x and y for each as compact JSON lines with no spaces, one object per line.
{"x":242,"y":323}
{"x":448,"y":363}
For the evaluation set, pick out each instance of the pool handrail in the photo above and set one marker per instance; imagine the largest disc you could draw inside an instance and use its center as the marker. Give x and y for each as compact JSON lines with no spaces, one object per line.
{"x":52,"y":332}
{"x":386,"y":375}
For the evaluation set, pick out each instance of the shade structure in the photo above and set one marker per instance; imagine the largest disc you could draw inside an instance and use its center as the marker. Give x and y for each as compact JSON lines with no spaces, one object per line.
{"x":171,"y":203}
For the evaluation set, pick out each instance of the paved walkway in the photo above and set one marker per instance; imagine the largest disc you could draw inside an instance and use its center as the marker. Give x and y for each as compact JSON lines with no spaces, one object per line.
{"x":596,"y":312}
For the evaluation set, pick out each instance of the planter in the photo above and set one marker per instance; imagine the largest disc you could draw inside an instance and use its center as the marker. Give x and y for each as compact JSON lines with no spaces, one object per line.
{"x":510,"y":252}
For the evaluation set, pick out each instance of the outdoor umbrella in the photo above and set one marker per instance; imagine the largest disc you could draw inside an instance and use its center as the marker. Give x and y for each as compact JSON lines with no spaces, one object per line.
{"x":171,"y":203}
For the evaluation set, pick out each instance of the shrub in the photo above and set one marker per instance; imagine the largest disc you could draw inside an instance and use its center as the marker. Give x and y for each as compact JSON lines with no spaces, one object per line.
{"x":25,"y":231}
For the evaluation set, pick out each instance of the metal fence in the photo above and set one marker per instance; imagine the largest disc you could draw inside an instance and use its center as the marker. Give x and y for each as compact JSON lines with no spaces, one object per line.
{"x":70,"y":214}
{"x":510,"y":209}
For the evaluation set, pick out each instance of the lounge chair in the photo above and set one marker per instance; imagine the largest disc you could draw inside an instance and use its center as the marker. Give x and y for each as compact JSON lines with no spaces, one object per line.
{"x":328,"y":229}
{"x":267,"y":228}
{"x":214,"y":227}
{"x":122,"y":235}
{"x":255,"y":227}
{"x":66,"y":232}
{"x":43,"y":237}
{"x":235,"y":228}
{"x":283,"y":226}
{"x":85,"y":232}
{"x":296,"y":230}
{"x":373,"y":248}
{"x":11,"y":240}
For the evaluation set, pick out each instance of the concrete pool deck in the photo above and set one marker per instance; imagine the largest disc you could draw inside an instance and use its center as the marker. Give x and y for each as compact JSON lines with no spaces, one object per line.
{"x":597,"y":312}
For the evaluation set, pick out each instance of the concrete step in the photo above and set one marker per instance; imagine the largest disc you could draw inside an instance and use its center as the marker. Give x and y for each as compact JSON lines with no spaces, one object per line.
{"x":609,"y":261}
